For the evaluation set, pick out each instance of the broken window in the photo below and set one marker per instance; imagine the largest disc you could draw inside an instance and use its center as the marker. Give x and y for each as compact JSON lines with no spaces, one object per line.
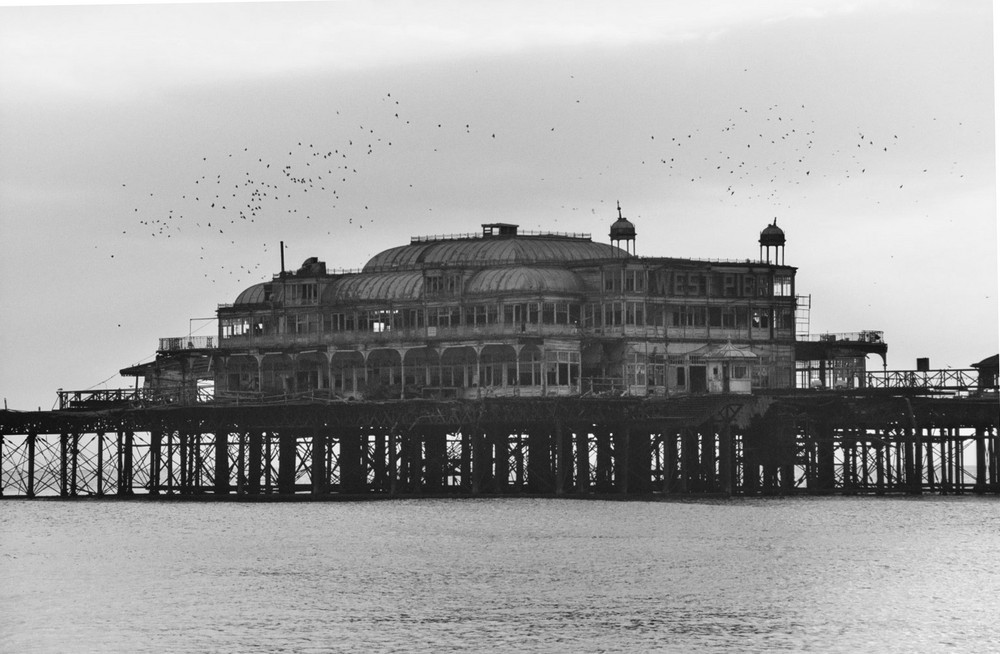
{"x":782,"y":285}
{"x":761,"y":319}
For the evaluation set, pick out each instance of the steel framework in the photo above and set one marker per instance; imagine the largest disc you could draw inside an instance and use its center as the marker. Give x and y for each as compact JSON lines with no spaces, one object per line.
{"x":867,"y":442}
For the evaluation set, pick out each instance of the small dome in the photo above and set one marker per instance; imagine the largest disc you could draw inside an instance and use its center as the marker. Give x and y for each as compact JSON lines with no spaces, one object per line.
{"x":772,"y":235}
{"x":256,"y":294}
{"x":622,"y":229}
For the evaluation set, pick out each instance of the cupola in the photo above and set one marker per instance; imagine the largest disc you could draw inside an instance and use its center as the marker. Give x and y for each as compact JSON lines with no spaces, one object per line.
{"x":772,"y":236}
{"x":623,"y":230}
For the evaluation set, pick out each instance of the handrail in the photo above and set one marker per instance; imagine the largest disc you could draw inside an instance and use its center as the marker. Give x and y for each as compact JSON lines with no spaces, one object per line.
{"x":469,"y":235}
{"x":176,"y":343}
{"x":865,"y":336}
{"x":948,"y":378}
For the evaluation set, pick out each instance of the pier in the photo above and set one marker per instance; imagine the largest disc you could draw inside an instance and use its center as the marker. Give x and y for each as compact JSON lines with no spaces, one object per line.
{"x":865,"y":441}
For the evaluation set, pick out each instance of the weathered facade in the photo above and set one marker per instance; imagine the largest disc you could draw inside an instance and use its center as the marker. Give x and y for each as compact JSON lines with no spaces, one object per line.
{"x":510,"y":313}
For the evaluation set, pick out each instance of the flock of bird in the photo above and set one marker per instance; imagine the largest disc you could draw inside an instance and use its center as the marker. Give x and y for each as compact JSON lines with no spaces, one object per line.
{"x":753,"y":156}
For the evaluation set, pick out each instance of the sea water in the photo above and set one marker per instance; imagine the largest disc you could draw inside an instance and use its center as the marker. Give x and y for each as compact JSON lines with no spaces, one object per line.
{"x":506,"y":575}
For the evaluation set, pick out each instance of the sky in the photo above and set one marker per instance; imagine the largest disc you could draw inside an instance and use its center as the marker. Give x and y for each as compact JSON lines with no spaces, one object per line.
{"x":153,"y":156}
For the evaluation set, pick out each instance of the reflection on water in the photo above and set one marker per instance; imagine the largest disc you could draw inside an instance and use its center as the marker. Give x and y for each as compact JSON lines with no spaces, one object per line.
{"x":816,"y":574}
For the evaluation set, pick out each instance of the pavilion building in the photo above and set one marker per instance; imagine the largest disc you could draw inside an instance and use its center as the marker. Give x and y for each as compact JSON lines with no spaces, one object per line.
{"x":507,"y":312}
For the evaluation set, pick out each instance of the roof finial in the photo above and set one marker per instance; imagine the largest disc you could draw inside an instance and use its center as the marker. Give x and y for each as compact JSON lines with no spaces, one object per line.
{"x":618,"y":202}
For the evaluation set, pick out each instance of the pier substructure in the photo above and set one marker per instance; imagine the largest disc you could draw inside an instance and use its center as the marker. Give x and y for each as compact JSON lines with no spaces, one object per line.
{"x":855,"y":443}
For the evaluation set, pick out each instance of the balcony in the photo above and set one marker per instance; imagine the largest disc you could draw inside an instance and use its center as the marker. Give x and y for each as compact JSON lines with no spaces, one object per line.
{"x":188,"y":343}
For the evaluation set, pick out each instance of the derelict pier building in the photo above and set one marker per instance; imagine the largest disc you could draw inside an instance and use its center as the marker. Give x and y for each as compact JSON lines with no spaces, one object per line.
{"x":507,"y":312}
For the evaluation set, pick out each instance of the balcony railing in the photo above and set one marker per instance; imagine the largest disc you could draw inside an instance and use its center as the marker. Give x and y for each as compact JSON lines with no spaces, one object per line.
{"x":868,"y":336}
{"x":101,"y":398}
{"x":949,"y":379}
{"x":522,"y":232}
{"x":188,"y":343}
{"x":111,"y":398}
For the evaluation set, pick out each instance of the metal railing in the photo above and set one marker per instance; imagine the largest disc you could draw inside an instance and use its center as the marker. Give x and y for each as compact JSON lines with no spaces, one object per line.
{"x":101,"y":398}
{"x":521,"y":232}
{"x":458,"y":264}
{"x":953,"y":379}
{"x":172,"y":344}
{"x":867,"y":336}
{"x":107,"y":398}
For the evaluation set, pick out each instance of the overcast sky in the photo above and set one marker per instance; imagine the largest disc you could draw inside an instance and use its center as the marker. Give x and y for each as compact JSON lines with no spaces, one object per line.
{"x":153,"y":156}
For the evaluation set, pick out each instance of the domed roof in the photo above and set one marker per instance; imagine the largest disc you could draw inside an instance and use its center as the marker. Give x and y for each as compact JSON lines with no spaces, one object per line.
{"x":523,"y":279}
{"x":375,"y":286}
{"x":486,"y":251}
{"x":772,"y":235}
{"x":256,"y":294}
{"x":622,"y":229}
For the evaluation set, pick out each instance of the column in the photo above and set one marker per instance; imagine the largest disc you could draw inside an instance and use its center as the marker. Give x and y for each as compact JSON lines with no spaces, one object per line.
{"x":32,"y":437}
{"x":254,"y":466}
{"x":726,"y":460}
{"x":583,"y":460}
{"x":221,"y":461}
{"x":318,"y":473}
{"x":287,"y":454}
{"x":99,"y":482}
{"x":63,"y":465}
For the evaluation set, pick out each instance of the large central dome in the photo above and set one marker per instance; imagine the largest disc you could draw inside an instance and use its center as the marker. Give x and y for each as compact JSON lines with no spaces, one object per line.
{"x":491,"y":249}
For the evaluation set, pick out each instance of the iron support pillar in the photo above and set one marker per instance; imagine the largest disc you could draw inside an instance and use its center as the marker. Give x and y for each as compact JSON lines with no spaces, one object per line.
{"x":318,"y":474}
{"x":241,"y":462}
{"x":563,"y":458}
{"x":30,"y":490}
{"x":255,"y":454}
{"x":435,"y":459}
{"x":287,"y":454}
{"x":125,"y":442}
{"x":74,"y":459}
{"x":413,"y":462}
{"x":881,"y":462}
{"x":670,"y":461}
{"x":64,"y":465}
{"x":604,"y":459}
{"x":639,"y":460}
{"x":221,"y":461}
{"x":351,"y":464}
{"x":583,"y":460}
{"x":690,"y":464}
{"x":849,"y":446}
{"x":378,"y":461}
{"x":99,"y":473}
{"x":465,"y":464}
{"x":622,"y":459}
{"x":825,"y":461}
{"x":185,"y":484}
{"x":981,"y":481}
{"x":541,"y":478}
{"x":917,"y":483}
{"x":481,"y":463}
{"x":392,"y":451}
{"x":707,"y":472}
{"x":726,"y":461}
{"x":120,"y":462}
{"x":498,"y":437}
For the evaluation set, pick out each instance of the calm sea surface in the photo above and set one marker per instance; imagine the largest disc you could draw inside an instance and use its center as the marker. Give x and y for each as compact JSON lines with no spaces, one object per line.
{"x":508,"y":575}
